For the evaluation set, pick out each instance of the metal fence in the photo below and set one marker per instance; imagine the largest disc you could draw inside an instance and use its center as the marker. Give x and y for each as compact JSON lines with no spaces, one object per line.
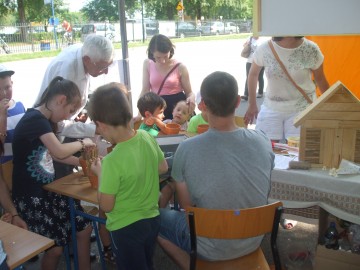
{"x":27,"y":38}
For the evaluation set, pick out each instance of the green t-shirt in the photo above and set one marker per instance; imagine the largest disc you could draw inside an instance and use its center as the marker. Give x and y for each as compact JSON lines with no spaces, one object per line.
{"x":130,"y":172}
{"x":152,"y":130}
{"x":194,"y":122}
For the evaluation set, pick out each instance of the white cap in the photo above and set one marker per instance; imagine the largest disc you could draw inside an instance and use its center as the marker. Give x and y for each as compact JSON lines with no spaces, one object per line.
{"x":4,"y":71}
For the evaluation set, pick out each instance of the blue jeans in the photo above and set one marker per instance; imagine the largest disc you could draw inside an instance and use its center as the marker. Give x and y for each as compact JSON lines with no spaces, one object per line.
{"x":134,"y":245}
{"x":174,"y":228}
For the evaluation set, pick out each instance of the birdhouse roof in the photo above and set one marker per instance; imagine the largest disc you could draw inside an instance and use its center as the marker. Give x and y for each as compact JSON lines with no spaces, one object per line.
{"x":337,"y":101}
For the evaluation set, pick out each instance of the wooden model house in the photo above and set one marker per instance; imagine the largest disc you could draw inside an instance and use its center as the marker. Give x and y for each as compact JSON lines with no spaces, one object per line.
{"x":330,"y":128}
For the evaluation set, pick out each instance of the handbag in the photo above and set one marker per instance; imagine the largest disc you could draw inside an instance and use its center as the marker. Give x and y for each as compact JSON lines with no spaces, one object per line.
{"x":246,"y":50}
{"x":287,"y":73}
{"x":167,"y":75}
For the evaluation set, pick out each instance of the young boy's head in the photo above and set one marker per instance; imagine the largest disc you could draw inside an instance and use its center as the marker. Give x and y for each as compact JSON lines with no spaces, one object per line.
{"x":219,"y":92}
{"x":181,"y":112}
{"x":109,"y":105}
{"x":151,"y":104}
{"x":5,"y":82}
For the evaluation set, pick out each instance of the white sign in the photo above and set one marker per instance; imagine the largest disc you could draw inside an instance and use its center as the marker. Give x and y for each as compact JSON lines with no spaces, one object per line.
{"x":47,"y":2}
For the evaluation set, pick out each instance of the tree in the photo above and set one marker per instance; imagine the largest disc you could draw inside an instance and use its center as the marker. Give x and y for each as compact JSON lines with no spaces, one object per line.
{"x":210,"y":9}
{"x":97,"y":10}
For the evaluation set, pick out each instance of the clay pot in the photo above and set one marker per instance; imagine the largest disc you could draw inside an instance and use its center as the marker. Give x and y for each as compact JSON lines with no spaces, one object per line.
{"x":172,"y":128}
{"x":202,"y":128}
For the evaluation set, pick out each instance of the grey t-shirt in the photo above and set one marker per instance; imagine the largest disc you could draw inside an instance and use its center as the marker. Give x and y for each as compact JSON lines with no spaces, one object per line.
{"x":226,"y":170}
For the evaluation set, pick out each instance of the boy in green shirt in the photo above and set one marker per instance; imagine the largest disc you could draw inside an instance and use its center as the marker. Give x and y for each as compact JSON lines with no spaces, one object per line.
{"x":151,"y":107}
{"x":198,"y":119}
{"x":128,"y":179}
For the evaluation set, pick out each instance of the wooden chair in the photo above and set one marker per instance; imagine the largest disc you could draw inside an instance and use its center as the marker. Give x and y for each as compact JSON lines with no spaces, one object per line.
{"x":235,"y":224}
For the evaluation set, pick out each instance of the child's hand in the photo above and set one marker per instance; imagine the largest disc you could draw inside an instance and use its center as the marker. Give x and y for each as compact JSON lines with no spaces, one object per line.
{"x":7,"y":217}
{"x":88,"y":143}
{"x":96,"y":166}
{"x":4,"y":105}
{"x":82,"y":117}
{"x":149,"y":121}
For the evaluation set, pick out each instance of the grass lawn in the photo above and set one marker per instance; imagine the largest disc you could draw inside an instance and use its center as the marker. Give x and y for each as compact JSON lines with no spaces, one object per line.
{"x":52,"y":53}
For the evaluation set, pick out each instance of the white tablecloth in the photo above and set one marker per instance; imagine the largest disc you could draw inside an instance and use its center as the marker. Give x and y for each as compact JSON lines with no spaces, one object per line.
{"x":339,"y":196}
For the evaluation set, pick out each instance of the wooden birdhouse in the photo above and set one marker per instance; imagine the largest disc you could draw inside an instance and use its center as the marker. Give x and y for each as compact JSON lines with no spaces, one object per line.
{"x":330,"y":128}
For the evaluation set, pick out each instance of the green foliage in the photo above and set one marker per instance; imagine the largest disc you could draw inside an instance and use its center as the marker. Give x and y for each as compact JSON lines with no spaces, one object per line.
{"x":7,"y":7}
{"x":96,"y":10}
{"x":101,"y":10}
{"x":209,"y":9}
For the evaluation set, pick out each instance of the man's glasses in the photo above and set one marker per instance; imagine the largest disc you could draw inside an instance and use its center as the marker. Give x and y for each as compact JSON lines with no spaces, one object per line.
{"x":102,"y":69}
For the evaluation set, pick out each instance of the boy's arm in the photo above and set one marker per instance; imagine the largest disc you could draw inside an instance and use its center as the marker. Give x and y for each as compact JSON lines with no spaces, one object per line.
{"x":183,"y":194}
{"x":160,"y":124}
{"x":4,"y":105}
{"x":106,"y":201}
{"x":163,"y":167}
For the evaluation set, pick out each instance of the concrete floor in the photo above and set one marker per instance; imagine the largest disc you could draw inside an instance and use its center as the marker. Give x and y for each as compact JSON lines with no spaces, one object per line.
{"x":302,"y":238}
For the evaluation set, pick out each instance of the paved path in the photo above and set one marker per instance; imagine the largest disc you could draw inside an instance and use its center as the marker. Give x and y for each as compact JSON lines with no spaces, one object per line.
{"x":201,"y":58}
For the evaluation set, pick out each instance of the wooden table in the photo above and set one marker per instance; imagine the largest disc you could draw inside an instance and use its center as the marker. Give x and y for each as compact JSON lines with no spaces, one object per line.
{"x":21,"y":245}
{"x":76,"y":186}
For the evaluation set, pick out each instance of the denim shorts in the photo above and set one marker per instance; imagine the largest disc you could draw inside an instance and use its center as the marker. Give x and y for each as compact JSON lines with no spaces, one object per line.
{"x":174,"y":227}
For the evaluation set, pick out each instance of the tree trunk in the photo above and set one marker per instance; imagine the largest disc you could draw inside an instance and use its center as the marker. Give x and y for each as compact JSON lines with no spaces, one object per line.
{"x":22,"y":19}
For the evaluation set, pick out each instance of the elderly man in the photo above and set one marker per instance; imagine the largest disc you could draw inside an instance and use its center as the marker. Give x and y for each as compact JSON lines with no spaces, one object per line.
{"x":77,"y":63}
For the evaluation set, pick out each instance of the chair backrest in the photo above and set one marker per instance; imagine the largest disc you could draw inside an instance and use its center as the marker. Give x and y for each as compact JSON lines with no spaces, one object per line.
{"x":7,"y":170}
{"x":235,"y":224}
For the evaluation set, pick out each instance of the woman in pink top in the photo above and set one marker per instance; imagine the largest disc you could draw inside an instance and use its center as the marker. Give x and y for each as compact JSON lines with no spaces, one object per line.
{"x":177,"y":85}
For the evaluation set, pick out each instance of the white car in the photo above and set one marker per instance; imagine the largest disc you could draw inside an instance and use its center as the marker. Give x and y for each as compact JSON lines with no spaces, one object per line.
{"x":231,"y":28}
{"x":213,"y":28}
{"x":103,"y":29}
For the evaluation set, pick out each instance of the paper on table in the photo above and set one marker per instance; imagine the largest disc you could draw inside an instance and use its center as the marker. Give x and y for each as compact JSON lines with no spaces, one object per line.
{"x":282,"y":161}
{"x":348,"y":167}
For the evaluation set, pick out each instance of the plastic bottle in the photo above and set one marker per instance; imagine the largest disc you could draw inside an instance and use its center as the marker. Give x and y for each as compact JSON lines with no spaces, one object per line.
{"x":331,"y":237}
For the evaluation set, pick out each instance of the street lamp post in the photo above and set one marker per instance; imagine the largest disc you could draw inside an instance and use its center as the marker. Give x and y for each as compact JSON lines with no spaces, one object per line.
{"x":125,"y":53}
{"x":53,"y":15}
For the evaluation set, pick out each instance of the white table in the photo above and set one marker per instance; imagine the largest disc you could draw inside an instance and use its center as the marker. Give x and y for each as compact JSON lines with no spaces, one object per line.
{"x":339,"y":196}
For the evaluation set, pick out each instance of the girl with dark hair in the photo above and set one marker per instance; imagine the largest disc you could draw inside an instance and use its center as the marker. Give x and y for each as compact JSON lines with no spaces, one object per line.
{"x":35,"y":146}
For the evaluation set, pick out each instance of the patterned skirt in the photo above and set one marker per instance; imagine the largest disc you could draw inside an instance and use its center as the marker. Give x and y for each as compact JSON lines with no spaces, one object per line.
{"x":50,"y":216}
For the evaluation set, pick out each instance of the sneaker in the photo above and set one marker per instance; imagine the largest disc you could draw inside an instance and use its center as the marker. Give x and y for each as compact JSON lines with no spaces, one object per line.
{"x":244,"y":98}
{"x":108,"y":254}
{"x":259,"y":95}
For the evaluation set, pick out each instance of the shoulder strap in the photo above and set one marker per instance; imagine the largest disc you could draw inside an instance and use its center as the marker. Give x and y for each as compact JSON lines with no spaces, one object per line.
{"x":287,"y":73}
{"x":167,"y":75}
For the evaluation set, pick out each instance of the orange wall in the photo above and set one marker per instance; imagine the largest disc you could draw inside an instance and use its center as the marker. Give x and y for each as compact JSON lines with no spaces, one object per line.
{"x":342,"y":60}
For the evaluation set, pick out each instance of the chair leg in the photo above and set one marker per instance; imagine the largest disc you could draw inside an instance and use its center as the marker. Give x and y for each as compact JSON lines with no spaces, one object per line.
{"x":99,"y":245}
{"x":67,"y":257}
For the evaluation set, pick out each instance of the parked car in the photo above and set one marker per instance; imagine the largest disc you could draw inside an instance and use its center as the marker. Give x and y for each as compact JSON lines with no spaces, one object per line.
{"x":152,"y":27}
{"x":103,"y":29}
{"x":231,"y":28}
{"x":9,"y":30}
{"x":245,"y":26}
{"x":186,"y":29}
{"x":77,"y":27}
{"x":213,"y":28}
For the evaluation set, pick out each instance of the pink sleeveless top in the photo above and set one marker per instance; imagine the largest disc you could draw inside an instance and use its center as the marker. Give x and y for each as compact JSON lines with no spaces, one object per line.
{"x":172,"y":84}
